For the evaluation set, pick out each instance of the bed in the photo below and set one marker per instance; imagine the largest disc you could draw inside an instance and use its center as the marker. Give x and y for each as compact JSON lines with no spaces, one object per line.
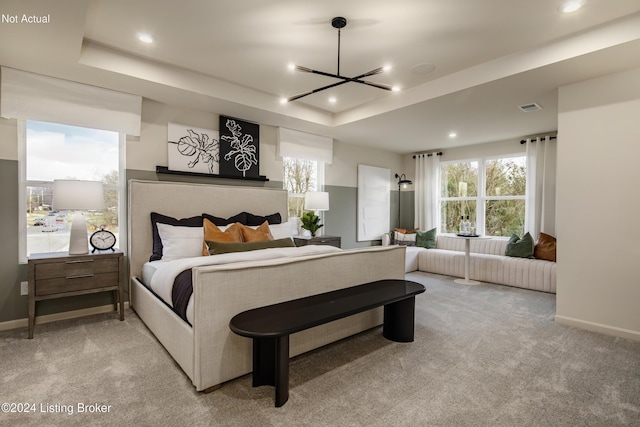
{"x":206,"y":350}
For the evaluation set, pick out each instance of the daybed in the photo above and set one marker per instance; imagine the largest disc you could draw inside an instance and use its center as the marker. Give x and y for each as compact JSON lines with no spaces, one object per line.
{"x":208,"y":352}
{"x":488,"y":263}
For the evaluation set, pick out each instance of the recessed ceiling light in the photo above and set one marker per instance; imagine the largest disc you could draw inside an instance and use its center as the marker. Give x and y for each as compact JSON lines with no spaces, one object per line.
{"x":291,"y":67}
{"x":395,"y":89}
{"x":452,"y":134}
{"x":333,"y":100}
{"x":283,"y":100}
{"x":145,"y":37}
{"x":571,"y":5}
{"x":386,"y":68}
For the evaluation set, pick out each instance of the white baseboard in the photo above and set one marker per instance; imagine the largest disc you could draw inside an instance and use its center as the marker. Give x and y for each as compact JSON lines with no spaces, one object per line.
{"x":598,"y":327}
{"x":47,"y":318}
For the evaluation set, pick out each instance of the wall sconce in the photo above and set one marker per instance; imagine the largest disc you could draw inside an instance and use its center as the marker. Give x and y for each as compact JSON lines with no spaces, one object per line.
{"x":403,"y":182}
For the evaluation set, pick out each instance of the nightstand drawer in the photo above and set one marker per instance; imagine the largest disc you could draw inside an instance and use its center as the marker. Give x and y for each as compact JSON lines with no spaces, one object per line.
{"x":74,"y":268}
{"x":328,"y":241}
{"x":76,"y":282}
{"x":320,"y":240}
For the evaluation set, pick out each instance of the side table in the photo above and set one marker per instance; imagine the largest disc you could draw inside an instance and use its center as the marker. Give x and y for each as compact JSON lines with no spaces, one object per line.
{"x":467,"y":259}
{"x":59,"y":275}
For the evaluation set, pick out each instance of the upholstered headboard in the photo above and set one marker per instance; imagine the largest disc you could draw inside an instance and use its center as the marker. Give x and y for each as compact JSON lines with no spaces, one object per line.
{"x":182,"y":200}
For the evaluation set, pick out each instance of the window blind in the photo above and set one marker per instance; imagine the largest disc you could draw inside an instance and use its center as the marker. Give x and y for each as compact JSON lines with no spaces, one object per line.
{"x":30,"y":96}
{"x":302,"y":145}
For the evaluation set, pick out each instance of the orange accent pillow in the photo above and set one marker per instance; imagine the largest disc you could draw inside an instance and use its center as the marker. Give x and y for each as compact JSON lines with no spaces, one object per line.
{"x":260,"y":234}
{"x":233,"y":234}
{"x":545,"y":248}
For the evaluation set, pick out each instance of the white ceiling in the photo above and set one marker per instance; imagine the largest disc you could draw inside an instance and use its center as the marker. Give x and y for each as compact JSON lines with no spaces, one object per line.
{"x":231,"y":57}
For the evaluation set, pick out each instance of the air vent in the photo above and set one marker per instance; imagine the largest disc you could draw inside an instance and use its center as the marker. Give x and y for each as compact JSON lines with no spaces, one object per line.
{"x":530,"y":107}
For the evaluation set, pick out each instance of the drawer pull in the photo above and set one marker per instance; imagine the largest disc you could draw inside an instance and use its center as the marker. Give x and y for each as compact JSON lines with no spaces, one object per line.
{"x":79,"y":276}
{"x":78,"y":261}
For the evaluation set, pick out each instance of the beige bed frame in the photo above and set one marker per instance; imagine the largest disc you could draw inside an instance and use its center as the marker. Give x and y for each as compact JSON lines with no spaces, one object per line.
{"x":209,"y":353}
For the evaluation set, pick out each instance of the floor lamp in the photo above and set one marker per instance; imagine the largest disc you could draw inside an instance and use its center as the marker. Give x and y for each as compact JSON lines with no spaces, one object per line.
{"x":403,"y":182}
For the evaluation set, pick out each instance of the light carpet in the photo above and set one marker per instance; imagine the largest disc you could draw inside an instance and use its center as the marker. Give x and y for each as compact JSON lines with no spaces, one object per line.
{"x":486,"y":355}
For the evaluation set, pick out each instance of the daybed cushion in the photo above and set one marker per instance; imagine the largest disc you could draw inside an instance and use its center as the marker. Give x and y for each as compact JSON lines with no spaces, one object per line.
{"x":411,"y":258}
{"x":487,"y":264}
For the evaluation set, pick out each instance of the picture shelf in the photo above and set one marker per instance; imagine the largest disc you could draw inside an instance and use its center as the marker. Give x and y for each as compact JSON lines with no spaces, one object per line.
{"x":166,"y":170}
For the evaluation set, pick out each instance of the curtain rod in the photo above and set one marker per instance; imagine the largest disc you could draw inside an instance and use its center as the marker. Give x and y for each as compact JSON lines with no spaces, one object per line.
{"x":439,"y":153}
{"x":524,"y":141}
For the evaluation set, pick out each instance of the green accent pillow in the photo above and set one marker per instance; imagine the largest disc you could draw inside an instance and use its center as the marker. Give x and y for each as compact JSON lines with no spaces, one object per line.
{"x":521,"y":248}
{"x":217,"y":248}
{"x":426,"y":239}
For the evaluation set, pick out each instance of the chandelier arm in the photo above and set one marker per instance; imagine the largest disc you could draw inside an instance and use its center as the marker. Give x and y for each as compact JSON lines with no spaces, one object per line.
{"x":378,"y":85}
{"x":301,"y":95}
{"x":378,"y":70}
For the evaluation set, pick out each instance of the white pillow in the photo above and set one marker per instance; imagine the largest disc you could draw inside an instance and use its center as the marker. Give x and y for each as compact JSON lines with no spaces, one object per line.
{"x":180,"y":242}
{"x":281,"y":231}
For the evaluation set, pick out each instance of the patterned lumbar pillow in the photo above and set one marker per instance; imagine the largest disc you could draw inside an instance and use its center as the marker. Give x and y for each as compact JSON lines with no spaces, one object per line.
{"x":520,"y":247}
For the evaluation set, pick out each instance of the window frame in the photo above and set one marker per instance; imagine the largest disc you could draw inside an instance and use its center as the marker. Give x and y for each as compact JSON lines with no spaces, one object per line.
{"x":481,"y":198}
{"x":320,"y":174}
{"x":24,"y":184}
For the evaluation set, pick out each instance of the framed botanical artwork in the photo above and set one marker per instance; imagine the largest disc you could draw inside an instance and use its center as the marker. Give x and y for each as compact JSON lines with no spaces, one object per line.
{"x":192,"y":149}
{"x":239,"y":148}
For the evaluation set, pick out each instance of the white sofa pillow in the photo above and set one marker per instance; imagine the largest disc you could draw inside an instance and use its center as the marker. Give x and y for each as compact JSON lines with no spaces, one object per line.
{"x":180,"y":242}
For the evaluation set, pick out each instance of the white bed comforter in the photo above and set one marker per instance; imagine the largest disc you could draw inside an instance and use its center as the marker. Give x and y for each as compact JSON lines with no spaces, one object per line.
{"x":166,"y":271}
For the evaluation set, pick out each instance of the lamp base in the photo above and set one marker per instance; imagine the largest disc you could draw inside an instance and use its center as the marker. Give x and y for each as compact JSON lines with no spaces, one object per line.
{"x":78,"y":236}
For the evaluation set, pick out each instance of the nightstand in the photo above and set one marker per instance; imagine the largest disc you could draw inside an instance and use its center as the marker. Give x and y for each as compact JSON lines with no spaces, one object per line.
{"x":59,"y":275}
{"x":318,"y":240}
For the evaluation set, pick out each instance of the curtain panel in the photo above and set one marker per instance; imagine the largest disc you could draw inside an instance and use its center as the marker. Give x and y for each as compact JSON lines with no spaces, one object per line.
{"x":541,"y":186}
{"x":426,"y":191}
{"x":32,"y":96}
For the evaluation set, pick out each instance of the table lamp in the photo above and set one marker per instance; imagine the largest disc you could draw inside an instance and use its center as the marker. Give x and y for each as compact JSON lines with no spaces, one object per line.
{"x":76,"y":195}
{"x":316,"y":201}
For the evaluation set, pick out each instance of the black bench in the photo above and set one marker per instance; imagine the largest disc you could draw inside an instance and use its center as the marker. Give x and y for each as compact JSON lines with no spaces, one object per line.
{"x":271,"y":326}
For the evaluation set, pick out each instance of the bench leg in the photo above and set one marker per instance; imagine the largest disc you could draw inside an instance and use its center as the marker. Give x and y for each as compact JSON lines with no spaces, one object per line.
{"x":271,"y":366}
{"x":282,"y":370}
{"x":399,"y":320}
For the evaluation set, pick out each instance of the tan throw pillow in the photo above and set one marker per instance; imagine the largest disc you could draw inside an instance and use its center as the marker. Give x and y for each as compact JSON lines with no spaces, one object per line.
{"x":545,"y":248}
{"x":233,"y":234}
{"x":260,"y":234}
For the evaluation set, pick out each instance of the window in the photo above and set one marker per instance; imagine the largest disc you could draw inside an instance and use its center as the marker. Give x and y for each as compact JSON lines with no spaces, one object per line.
{"x":301,"y":176}
{"x":490,"y":191}
{"x":50,"y":151}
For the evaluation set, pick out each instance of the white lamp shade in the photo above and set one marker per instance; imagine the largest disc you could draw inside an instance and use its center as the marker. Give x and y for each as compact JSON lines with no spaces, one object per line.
{"x":78,"y":195}
{"x":316,"y":201}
